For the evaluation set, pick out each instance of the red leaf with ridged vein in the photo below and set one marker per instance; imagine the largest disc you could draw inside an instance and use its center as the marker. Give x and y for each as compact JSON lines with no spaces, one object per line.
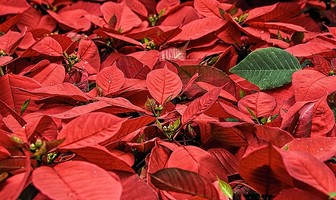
{"x":275,"y":12}
{"x":76,"y":180}
{"x":322,"y":148}
{"x":228,"y":160}
{"x":13,"y":6}
{"x":4,"y":153}
{"x":126,"y":18}
{"x":311,"y":85}
{"x":199,"y":28}
{"x":323,"y":119}
{"x":278,"y":26}
{"x":88,"y":52}
{"x":227,"y":133}
{"x":33,"y":19}
{"x":236,"y":113}
{"x":200,"y":105}
{"x":197,"y":160}
{"x":131,"y":181}
{"x":182,"y":181}
{"x":264,"y":170}
{"x":48,"y":75}
{"x":132,"y":68}
{"x":164,"y":37}
{"x":100,"y":156}
{"x":110,"y":80}
{"x":48,"y":46}
{"x":223,"y":93}
{"x":128,"y":127}
{"x":208,"y":8}
{"x":309,"y":173}
{"x":61,"y":90}
{"x":260,"y":103}
{"x":12,"y":95}
{"x":98,"y":127}
{"x":9,"y":190}
{"x":163,"y":84}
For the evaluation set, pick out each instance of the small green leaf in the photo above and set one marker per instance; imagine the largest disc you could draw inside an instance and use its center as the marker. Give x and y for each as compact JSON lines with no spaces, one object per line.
{"x":231,"y":119}
{"x":267,"y":68}
{"x":332,"y":195}
{"x":24,"y":106}
{"x":176,"y":123}
{"x":252,"y":113}
{"x":225,"y":188}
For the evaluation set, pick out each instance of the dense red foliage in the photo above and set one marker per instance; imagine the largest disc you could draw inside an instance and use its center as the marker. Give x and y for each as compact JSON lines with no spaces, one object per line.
{"x":133,"y":99}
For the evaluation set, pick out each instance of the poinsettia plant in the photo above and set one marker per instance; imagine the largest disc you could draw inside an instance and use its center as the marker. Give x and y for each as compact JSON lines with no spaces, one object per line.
{"x":169,"y":99}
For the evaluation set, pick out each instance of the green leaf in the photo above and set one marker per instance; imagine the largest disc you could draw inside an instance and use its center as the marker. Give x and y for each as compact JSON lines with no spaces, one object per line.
{"x":267,"y":68}
{"x":24,"y":106}
{"x":332,"y":195}
{"x":225,"y":188}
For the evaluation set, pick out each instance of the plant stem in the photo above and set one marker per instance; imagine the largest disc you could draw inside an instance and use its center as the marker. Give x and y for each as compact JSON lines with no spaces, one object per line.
{"x":1,"y":72}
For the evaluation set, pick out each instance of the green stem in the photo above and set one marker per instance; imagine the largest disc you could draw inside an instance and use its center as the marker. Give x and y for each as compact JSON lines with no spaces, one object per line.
{"x":1,"y":72}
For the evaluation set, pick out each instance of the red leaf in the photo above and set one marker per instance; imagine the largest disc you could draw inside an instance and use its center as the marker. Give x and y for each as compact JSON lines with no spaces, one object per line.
{"x":264,"y":170}
{"x":200,"y":105}
{"x":88,"y":53}
{"x":323,"y":119}
{"x":278,"y":26}
{"x":148,"y":58}
{"x":276,"y":12}
{"x":132,"y":68}
{"x":48,"y":46}
{"x":67,"y":90}
{"x":224,"y":94}
{"x":138,"y":7}
{"x":11,"y":95}
{"x":230,"y":34}
{"x":164,"y":37}
{"x":4,"y":153}
{"x":13,"y":7}
{"x":197,"y":160}
{"x":321,"y":64}
{"x":261,"y":104}
{"x":76,"y":180}
{"x":228,"y":160}
{"x":294,"y":194}
{"x":33,"y":19}
{"x":108,"y":160}
{"x":9,"y":41}
{"x":309,"y":173}
{"x":166,"y":5}
{"x":236,"y":113}
{"x":9,"y":23}
{"x":199,"y":28}
{"x":182,"y":181}
{"x":322,"y":148}
{"x":157,"y":159}
{"x":228,"y":133}
{"x":126,"y":18}
{"x":47,"y":75}
{"x":127,"y":128}
{"x":274,"y":135}
{"x":110,"y":80}
{"x":98,"y":127}
{"x":209,"y":8}
{"x":163,"y":84}
{"x":9,"y":189}
{"x":131,"y":181}
{"x":315,"y":46}
{"x":311,"y":85}
{"x":71,"y":19}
